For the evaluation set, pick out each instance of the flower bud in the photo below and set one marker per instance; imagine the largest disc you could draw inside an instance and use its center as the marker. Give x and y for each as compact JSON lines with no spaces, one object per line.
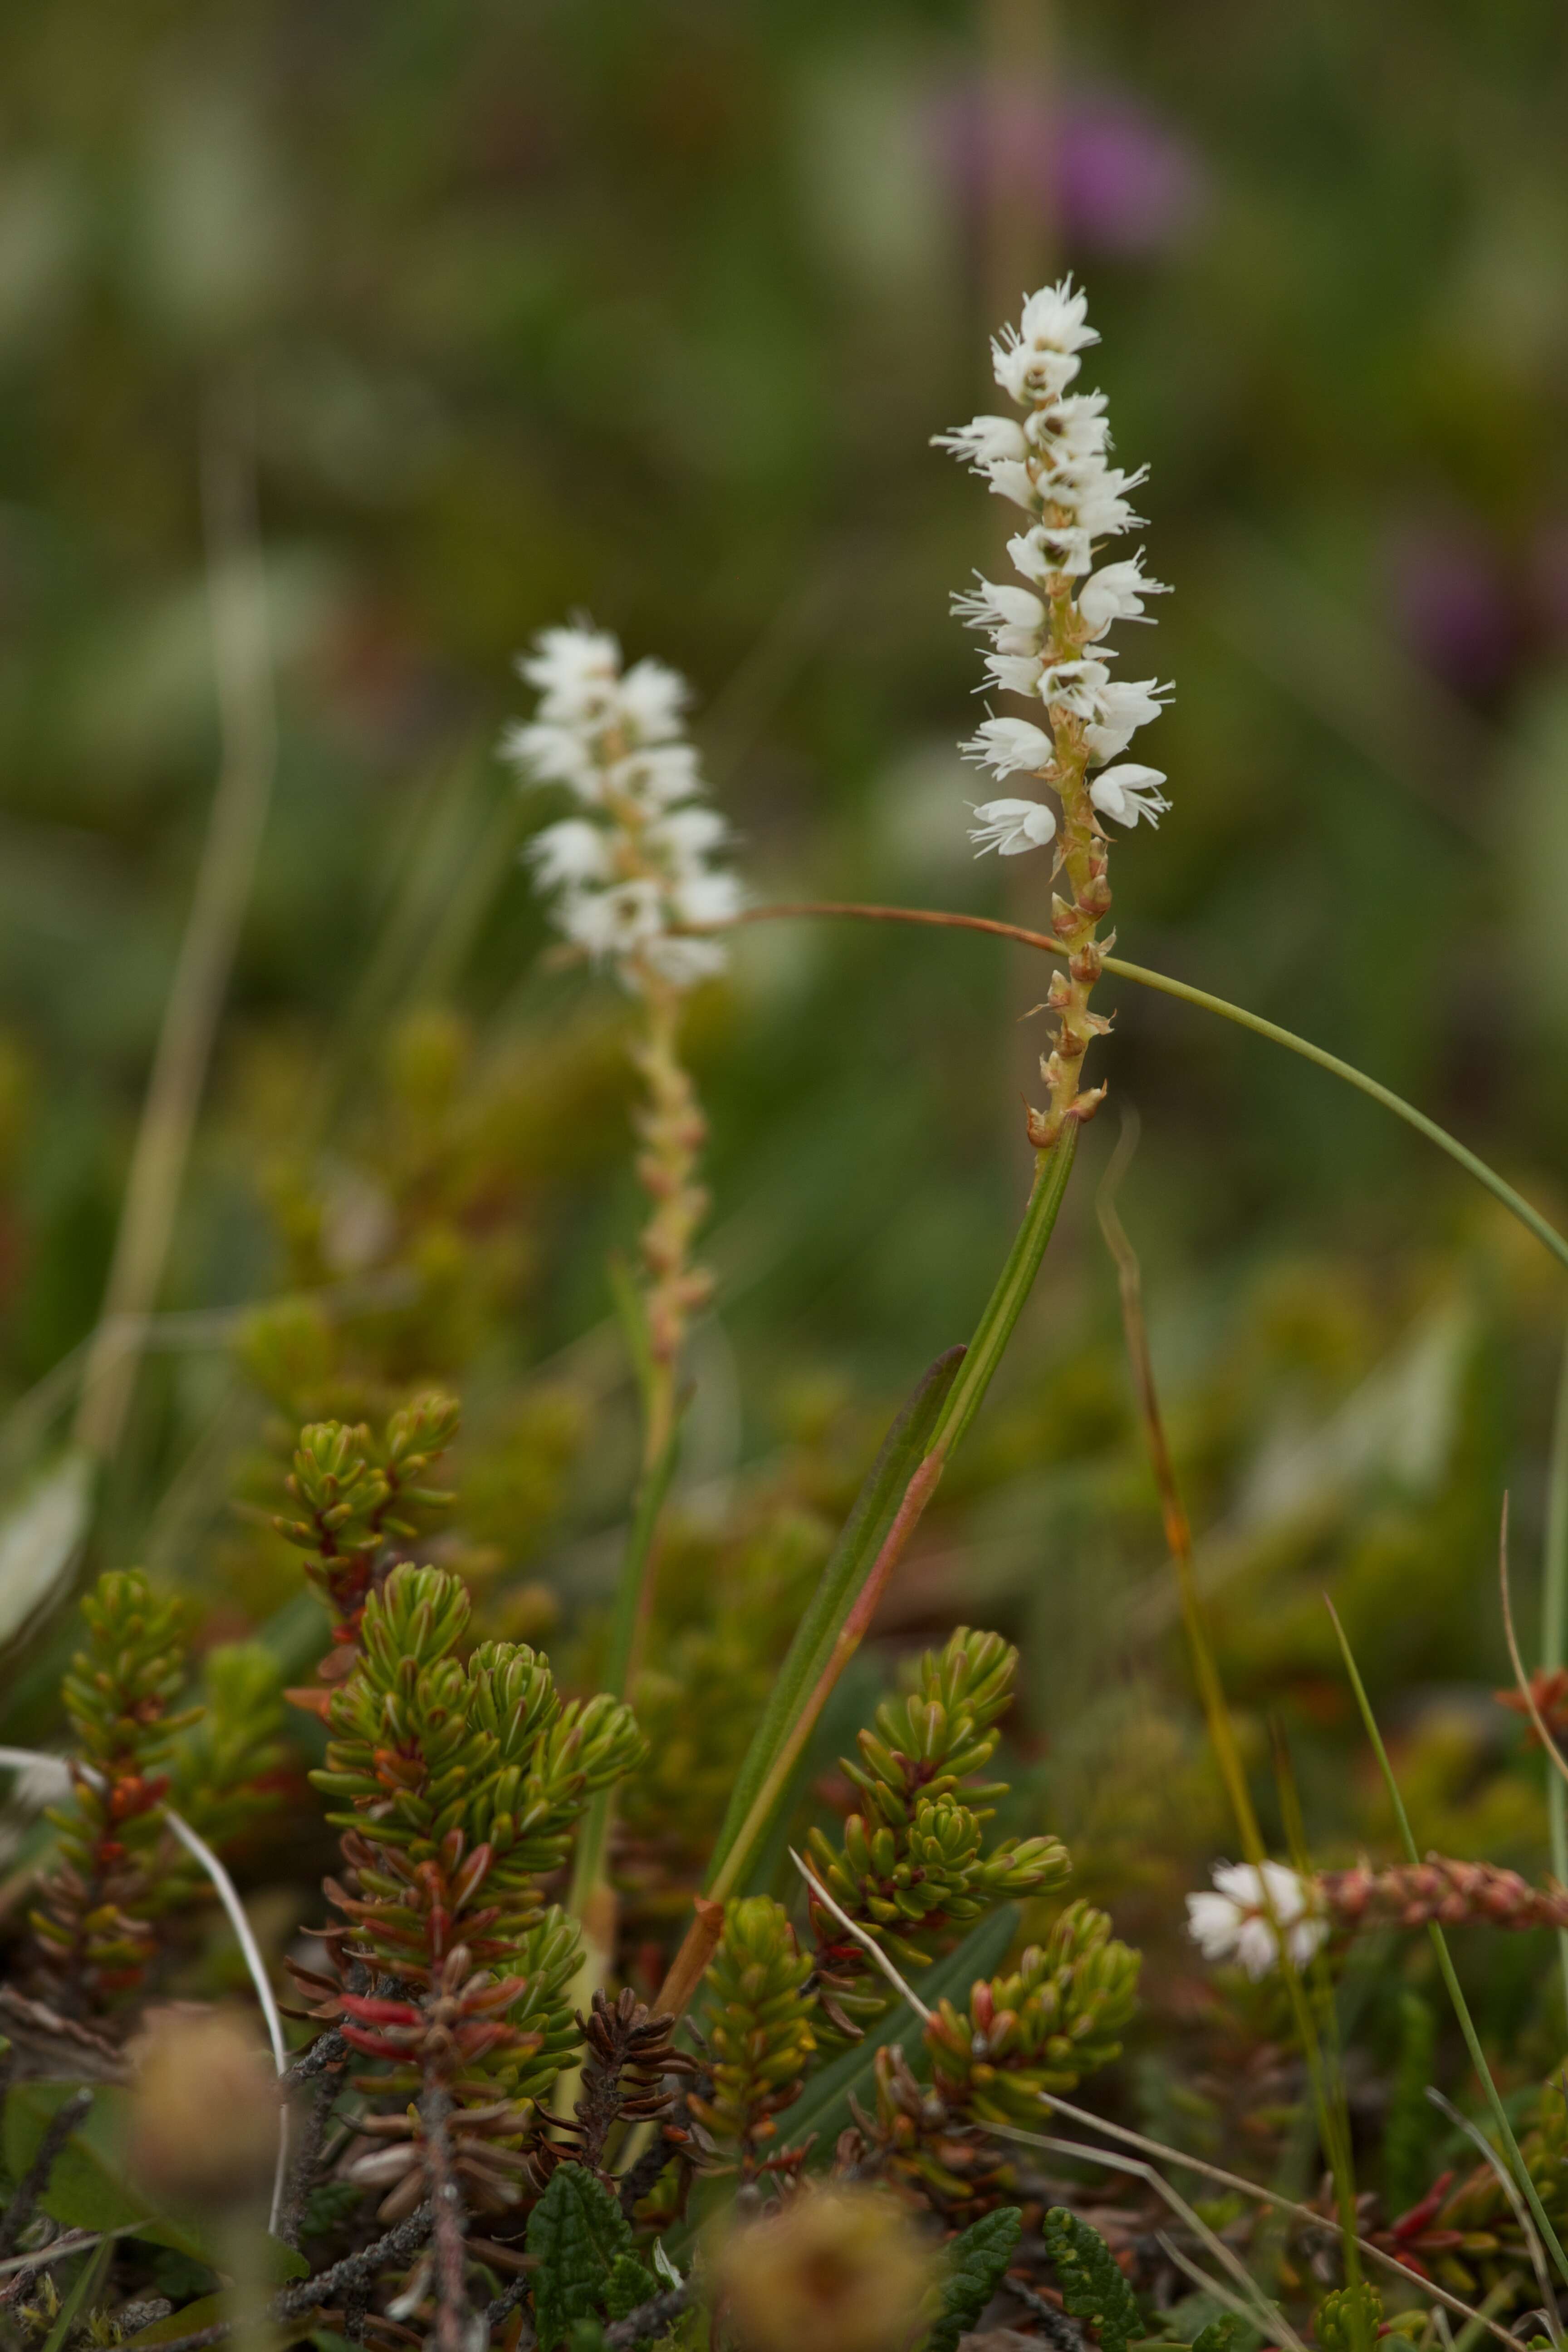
{"x":837,"y":2270}
{"x":204,"y":2110}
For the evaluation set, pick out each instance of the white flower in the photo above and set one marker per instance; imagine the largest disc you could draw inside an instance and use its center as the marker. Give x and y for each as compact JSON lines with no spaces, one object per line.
{"x":1120,"y":709}
{"x":616,"y":921}
{"x":1038,"y":358}
{"x":575,"y":670}
{"x":1010,"y":827}
{"x":1233,"y":1923}
{"x":632,"y":874}
{"x":1074,"y":427}
{"x":1075,"y":685}
{"x":684,"y":835}
{"x":1005,"y":607}
{"x":1129,"y":792}
{"x":656,"y":778}
{"x":1051,"y":547}
{"x":983,"y":440}
{"x":1028,"y":373}
{"x":555,"y":755}
{"x":1014,"y":673}
{"x":572,"y":852}
{"x":653,"y":698}
{"x":1011,"y":479}
{"x":704,"y":899}
{"x":1116,"y":593}
{"x":1058,"y":318}
{"x":1006,"y":745}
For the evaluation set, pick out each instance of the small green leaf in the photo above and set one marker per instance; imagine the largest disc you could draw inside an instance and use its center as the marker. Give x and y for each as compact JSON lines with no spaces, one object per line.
{"x":1091,"y":2283}
{"x":574,"y":2234}
{"x":87,"y":2188}
{"x":976,"y":2261}
{"x":1220,"y":2336}
{"x":628,"y":2286}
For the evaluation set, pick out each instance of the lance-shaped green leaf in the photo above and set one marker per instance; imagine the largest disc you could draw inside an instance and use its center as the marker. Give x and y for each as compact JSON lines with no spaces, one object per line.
{"x":976,"y":2261}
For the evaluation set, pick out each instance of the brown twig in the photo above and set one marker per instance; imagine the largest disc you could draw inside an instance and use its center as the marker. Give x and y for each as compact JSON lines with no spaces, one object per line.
{"x":354,"y":2270}
{"x":651,"y":2318}
{"x":301,"y":2171}
{"x":36,"y":2179}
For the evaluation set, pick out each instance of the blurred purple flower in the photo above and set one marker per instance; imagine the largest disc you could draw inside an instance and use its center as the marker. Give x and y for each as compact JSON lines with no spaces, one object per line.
{"x":1453,"y":603}
{"x":1101,"y":168}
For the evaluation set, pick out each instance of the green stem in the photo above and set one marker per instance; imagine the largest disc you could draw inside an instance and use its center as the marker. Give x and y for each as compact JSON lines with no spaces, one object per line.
{"x":1513,"y":1202}
{"x":1445,"y":1966}
{"x":587,"y":1869}
{"x":1007,"y":1301}
{"x":1555,"y":1631}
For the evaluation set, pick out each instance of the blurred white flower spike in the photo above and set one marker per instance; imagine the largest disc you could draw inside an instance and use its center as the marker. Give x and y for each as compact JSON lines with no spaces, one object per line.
{"x":1231,"y":1922}
{"x":638,"y":865}
{"x":1054,"y":463}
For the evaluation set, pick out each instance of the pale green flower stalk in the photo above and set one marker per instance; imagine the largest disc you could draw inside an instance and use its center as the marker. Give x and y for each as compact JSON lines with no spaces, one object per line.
{"x":630,"y":878}
{"x":1047,"y":637}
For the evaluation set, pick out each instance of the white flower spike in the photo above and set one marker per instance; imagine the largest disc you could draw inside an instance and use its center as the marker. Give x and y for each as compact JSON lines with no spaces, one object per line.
{"x":635,"y":869}
{"x":1054,"y":464}
{"x":1046,"y":647}
{"x":1232,"y":1922}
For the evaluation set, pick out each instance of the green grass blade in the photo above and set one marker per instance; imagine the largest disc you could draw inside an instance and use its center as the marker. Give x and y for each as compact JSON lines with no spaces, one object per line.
{"x":1446,"y":1965}
{"x":849,"y":1565}
{"x":824,"y":2106}
{"x":1513,"y":1202}
{"x":1555,"y":1631}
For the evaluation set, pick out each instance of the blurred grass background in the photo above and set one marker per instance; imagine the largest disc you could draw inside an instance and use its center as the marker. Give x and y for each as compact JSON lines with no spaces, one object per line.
{"x":649,"y":308}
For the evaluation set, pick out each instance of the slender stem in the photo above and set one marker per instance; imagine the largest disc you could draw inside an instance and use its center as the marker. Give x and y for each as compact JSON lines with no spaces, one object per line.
{"x":242,"y":660}
{"x":1333,"y":2121}
{"x":1012,"y":1287}
{"x":1445,"y":1963}
{"x":1554,"y":1630}
{"x":588,"y":1880}
{"x":1513,"y":1202}
{"x":447,"y":2205}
